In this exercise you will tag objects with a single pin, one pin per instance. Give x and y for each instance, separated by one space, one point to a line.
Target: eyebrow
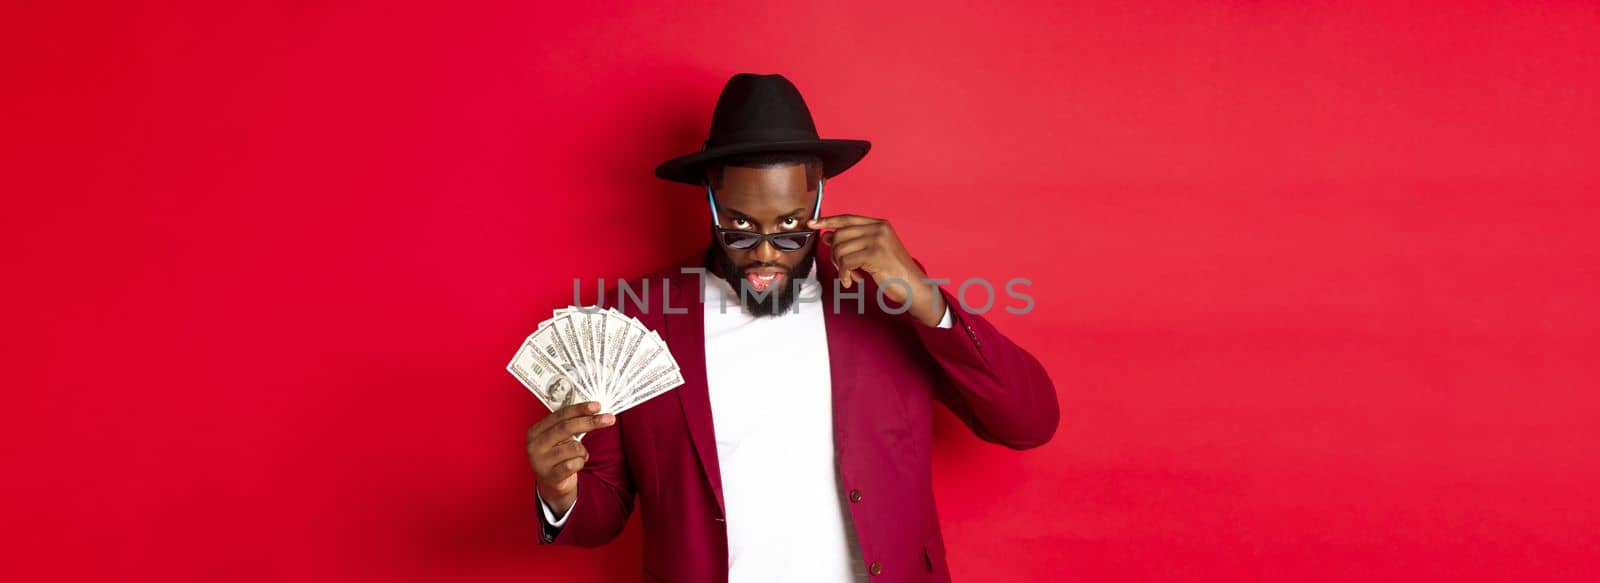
741 215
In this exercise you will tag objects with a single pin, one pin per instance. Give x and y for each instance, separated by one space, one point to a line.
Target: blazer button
875 569
855 495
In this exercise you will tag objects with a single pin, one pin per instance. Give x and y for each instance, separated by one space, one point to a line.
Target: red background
1316 283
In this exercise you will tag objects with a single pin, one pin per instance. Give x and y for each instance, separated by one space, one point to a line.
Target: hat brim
837 156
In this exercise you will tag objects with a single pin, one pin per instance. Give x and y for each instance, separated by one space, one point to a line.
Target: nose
767 252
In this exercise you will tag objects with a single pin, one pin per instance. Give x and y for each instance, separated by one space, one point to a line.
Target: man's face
765 200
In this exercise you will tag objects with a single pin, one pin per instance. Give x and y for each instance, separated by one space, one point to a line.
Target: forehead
766 191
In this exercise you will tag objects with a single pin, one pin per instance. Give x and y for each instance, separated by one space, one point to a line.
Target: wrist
928 306
559 503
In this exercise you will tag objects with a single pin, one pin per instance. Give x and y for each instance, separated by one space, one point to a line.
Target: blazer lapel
687 340
844 356
685 336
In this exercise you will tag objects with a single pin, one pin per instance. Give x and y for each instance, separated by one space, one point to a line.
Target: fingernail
607 419
592 406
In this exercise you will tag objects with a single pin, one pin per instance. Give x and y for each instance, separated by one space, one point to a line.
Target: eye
791 223
741 224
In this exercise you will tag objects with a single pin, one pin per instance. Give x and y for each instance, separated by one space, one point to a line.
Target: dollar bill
592 354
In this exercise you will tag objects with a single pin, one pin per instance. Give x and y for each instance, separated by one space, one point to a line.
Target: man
798 447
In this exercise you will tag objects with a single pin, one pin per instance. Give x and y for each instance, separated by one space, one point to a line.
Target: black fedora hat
759 114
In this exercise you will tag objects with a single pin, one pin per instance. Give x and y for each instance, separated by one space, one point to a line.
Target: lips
760 279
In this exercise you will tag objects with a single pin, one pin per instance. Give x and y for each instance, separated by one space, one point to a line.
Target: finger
859 259
841 236
560 415
845 277
848 247
567 429
561 470
837 221
850 262
564 450
571 411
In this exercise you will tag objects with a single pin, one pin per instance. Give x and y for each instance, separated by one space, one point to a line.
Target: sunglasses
741 240
786 242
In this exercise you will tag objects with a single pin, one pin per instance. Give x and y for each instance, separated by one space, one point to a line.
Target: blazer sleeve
605 494
993 385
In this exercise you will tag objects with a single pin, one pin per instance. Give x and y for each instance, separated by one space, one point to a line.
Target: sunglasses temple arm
715 222
816 213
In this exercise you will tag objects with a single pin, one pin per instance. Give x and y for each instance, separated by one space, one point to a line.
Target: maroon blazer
887 372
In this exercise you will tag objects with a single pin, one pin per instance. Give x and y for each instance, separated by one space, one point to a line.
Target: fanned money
590 354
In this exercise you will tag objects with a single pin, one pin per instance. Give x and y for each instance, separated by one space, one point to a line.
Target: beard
760 304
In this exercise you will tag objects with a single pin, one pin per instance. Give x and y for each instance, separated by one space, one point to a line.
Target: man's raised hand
871 245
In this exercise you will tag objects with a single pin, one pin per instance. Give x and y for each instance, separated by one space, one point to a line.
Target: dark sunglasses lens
791 241
739 240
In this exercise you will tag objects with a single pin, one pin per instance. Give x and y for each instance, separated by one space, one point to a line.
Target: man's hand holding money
557 456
